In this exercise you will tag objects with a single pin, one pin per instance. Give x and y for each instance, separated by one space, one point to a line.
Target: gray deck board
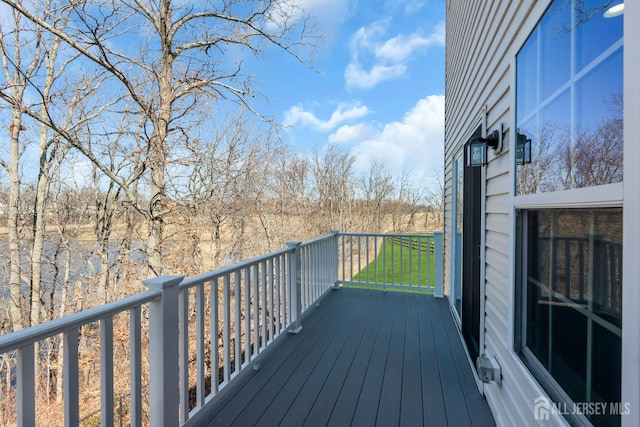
411 402
432 403
363 358
391 393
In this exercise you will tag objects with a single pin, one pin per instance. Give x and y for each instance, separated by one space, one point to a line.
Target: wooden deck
364 358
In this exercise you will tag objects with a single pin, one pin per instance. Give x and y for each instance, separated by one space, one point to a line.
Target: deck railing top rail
12 341
210 275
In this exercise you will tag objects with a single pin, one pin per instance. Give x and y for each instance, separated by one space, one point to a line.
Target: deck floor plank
432 396
411 403
363 358
391 393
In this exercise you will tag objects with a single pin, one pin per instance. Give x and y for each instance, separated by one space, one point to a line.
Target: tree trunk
18 320
63 307
42 191
158 198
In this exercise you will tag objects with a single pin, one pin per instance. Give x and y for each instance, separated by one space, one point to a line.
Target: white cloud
401 47
325 12
365 39
297 115
416 142
355 76
409 7
351 133
389 57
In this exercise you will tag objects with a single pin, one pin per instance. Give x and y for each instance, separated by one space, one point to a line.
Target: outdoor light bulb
476 155
614 11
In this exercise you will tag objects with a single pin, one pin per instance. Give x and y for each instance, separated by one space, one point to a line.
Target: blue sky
377 87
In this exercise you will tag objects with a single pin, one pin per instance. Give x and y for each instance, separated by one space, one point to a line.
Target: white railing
319 268
400 261
24 343
241 310
206 331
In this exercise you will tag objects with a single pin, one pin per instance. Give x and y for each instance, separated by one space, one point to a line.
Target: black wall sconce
523 149
477 147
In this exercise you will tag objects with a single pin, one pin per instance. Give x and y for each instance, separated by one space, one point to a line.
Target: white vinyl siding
483 39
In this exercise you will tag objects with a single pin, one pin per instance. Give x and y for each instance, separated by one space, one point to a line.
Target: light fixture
477 152
614 11
477 148
523 149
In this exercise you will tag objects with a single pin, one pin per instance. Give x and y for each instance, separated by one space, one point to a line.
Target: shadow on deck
364 358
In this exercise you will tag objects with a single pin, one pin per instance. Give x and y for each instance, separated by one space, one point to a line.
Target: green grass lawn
397 265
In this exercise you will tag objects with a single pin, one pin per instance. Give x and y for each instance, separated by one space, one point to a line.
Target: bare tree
435 200
44 74
335 189
17 73
410 198
599 150
51 151
291 196
220 183
584 11
378 188
179 61
292 185
261 170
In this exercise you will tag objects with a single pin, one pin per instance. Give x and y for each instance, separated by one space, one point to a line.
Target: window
572 302
569 99
569 265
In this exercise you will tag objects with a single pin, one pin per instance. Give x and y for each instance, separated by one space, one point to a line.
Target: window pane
598 128
594 32
598 95
555 49
554 138
550 134
527 75
574 300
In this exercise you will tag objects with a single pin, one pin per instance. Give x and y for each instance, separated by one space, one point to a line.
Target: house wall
483 38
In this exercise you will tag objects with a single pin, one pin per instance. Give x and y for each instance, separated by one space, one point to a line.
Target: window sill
610 195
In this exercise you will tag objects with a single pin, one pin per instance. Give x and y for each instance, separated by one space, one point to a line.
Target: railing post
26 397
295 302
335 258
164 394
438 264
